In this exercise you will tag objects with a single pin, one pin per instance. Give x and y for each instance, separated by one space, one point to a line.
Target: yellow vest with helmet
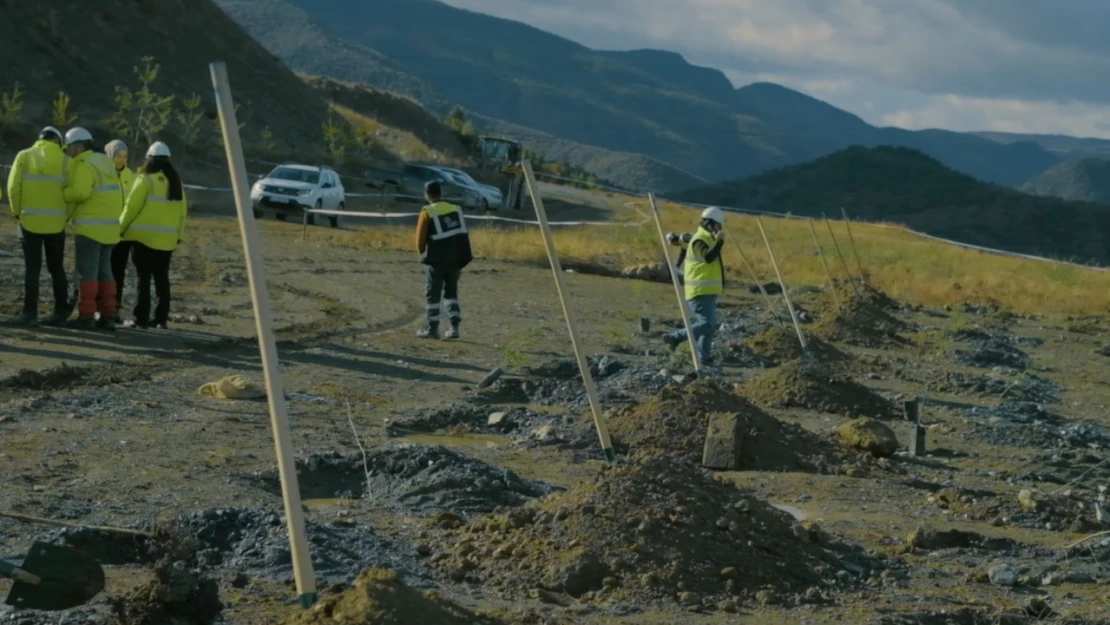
94 191
702 277
35 187
150 217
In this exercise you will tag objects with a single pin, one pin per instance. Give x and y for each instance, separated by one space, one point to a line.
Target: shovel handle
7 569
24 518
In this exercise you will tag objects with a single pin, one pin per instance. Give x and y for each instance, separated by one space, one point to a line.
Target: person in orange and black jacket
444 246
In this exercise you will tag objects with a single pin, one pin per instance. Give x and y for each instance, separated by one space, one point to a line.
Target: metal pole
785 294
852 240
556 268
758 283
828 274
263 316
678 291
843 263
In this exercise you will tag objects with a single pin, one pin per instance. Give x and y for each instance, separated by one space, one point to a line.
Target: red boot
86 305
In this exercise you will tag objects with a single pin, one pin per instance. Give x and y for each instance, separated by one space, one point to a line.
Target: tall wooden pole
572 328
828 274
303 574
785 292
678 289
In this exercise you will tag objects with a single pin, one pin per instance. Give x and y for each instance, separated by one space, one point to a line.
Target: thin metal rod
840 255
785 293
828 274
303 574
852 240
678 290
556 268
775 312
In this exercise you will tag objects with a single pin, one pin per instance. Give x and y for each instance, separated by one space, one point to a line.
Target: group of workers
117 215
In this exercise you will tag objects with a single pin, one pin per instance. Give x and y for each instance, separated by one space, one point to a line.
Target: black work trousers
33 247
441 283
152 264
121 253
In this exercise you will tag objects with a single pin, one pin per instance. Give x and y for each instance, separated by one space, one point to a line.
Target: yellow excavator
502 155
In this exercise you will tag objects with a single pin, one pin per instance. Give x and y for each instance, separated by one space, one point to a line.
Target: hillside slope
1084 180
1061 146
46 55
904 186
645 101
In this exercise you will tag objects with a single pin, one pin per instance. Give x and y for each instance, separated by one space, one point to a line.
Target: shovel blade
69 578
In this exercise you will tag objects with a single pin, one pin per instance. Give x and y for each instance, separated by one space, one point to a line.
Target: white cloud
962 113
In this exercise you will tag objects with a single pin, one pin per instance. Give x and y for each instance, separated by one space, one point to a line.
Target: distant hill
1061 146
647 102
86 51
1085 180
902 185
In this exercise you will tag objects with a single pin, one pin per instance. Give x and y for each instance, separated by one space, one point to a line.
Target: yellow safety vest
126 181
35 188
93 190
150 217
702 277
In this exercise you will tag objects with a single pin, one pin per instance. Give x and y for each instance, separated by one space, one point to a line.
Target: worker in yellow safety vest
35 194
95 197
153 222
121 253
704 283
444 246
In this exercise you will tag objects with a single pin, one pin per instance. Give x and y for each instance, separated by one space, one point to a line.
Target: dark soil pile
816 386
617 384
993 351
968 616
254 541
862 319
653 527
176 596
676 422
928 539
1027 387
1030 425
1038 511
780 344
381 597
414 478
518 423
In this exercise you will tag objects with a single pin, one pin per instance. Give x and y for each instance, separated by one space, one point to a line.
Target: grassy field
903 264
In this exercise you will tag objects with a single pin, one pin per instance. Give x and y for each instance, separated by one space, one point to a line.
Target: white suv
292 188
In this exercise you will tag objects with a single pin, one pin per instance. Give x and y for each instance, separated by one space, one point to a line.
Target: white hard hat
76 134
714 214
50 130
158 149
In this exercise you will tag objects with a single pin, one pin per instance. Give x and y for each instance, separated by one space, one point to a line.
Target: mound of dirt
1029 424
862 319
1027 387
381 597
415 478
991 352
816 386
519 423
176 596
676 422
653 527
928 539
1033 510
560 384
779 345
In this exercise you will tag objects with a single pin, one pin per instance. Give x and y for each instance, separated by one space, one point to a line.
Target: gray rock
1003 575
498 418
723 439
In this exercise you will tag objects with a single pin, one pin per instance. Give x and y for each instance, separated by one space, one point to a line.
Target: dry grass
905 265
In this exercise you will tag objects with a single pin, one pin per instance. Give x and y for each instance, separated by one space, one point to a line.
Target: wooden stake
678 289
26 518
304 223
557 269
852 240
840 255
785 294
828 274
263 316
758 283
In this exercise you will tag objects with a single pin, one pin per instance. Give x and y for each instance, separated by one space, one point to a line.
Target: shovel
53 578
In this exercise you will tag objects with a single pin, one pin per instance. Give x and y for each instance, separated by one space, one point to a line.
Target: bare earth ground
125 439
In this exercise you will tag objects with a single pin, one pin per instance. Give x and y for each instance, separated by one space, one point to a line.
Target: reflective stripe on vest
49 212
437 212
58 179
168 229
106 187
85 221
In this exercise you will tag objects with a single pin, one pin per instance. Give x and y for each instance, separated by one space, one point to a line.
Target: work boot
453 333
83 323
429 332
56 319
25 320
106 323
671 341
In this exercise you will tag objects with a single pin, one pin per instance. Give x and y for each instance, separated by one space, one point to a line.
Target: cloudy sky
1015 65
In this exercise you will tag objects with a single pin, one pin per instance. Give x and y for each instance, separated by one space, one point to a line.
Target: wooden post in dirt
263 316
678 289
572 328
785 293
852 241
840 255
758 283
304 223
828 274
